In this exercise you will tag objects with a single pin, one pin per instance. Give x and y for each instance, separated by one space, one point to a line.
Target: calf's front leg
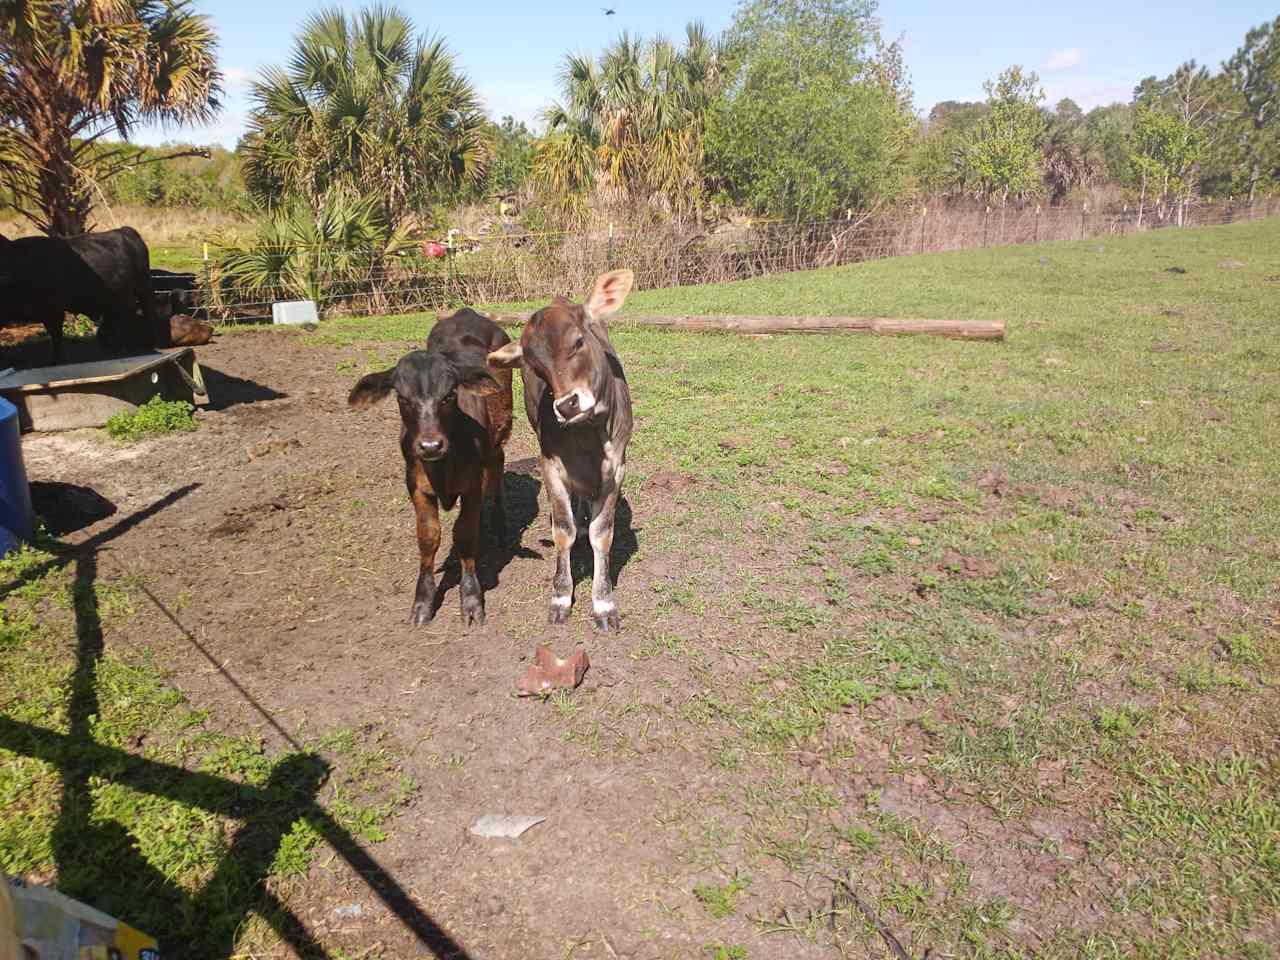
466 539
427 508
493 481
563 532
604 612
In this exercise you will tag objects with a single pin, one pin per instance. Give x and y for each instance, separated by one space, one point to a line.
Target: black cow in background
174 293
105 276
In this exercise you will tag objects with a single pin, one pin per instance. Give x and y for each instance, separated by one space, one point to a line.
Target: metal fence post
208 285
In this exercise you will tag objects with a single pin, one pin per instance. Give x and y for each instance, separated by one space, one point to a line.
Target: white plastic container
294 312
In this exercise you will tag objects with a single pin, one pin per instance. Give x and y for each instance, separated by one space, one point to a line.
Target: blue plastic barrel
16 515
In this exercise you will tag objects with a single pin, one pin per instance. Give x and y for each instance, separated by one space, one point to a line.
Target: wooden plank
958 329
96 371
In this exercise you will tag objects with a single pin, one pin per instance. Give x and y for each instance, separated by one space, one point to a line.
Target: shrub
156 416
298 253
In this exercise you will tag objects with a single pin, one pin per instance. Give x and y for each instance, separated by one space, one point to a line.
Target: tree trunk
63 198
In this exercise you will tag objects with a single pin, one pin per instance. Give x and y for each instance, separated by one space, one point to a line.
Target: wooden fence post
1035 236
1084 210
675 266
985 218
924 212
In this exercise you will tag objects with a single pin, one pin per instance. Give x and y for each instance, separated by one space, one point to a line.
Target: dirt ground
280 539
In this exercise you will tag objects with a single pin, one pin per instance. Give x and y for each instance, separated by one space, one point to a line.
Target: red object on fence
433 249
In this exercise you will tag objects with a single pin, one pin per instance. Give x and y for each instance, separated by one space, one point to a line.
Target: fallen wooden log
185 331
884 326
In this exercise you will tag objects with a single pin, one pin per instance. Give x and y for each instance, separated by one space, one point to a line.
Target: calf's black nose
430 448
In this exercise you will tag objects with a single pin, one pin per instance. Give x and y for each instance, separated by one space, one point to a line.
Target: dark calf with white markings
580 407
455 416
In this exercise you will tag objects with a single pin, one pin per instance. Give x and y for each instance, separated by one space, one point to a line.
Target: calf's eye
577 344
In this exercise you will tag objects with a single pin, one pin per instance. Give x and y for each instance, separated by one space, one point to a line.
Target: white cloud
1063 59
236 77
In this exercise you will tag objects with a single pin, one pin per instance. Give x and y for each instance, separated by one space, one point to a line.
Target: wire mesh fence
522 267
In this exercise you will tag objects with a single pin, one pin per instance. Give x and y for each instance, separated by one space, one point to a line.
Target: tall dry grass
159 226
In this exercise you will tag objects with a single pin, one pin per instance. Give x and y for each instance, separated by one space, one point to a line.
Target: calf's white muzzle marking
580 404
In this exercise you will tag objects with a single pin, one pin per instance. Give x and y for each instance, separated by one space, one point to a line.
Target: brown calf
580 407
455 416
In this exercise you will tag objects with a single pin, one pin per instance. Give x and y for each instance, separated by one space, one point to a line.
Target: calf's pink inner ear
608 294
507 356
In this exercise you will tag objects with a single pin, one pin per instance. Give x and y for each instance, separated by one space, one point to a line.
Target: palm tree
75 71
630 125
1070 157
365 107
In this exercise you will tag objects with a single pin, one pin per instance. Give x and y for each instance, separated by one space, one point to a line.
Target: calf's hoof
422 613
473 611
558 612
606 619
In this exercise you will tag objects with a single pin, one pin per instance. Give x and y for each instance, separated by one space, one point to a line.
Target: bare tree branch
141 160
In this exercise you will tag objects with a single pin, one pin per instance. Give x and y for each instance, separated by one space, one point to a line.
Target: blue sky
1092 51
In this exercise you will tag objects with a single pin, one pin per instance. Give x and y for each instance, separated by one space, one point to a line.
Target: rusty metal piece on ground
548 672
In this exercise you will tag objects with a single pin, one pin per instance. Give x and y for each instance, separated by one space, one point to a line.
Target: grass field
983 639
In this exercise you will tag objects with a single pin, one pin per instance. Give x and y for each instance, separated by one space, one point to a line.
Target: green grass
1072 648
988 628
118 792
722 901
154 418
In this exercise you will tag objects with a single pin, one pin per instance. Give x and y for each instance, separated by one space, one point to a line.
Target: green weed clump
153 418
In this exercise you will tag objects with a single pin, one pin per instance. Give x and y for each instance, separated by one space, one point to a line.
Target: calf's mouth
575 406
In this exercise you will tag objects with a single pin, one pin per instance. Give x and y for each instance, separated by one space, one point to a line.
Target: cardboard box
50 926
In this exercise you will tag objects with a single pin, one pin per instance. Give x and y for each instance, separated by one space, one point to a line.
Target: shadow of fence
86 847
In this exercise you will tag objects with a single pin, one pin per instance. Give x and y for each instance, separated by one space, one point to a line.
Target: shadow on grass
99 861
